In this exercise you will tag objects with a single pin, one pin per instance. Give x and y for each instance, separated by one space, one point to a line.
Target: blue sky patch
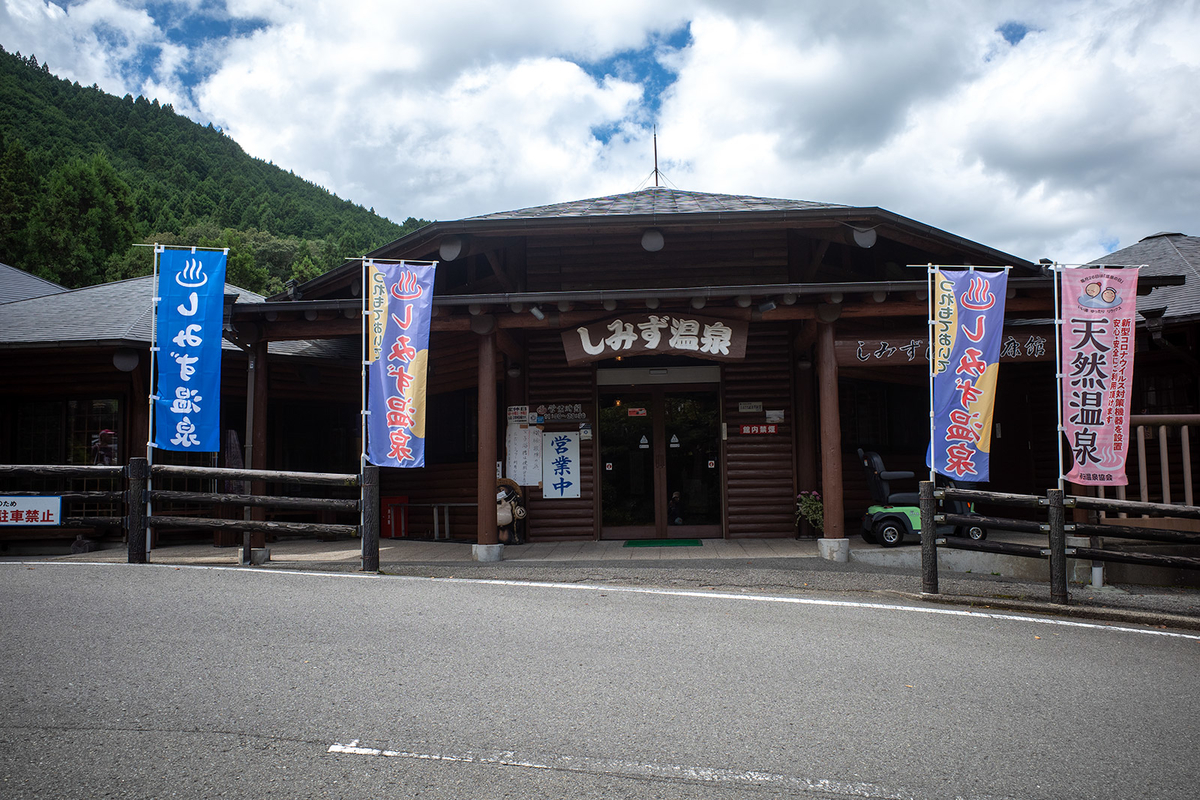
210 23
641 66
1013 32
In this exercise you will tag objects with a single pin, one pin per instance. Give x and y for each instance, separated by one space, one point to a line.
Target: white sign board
560 465
30 511
523 449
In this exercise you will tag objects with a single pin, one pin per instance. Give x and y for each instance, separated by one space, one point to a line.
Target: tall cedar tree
84 175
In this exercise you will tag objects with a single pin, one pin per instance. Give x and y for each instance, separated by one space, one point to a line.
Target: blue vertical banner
187 403
966 330
399 301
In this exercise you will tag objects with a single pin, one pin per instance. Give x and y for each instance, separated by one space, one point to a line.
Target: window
883 416
69 432
451 431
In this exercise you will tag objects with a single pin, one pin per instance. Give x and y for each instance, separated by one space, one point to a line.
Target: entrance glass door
659 463
693 477
627 466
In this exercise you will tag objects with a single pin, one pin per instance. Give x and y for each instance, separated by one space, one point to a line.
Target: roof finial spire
655 129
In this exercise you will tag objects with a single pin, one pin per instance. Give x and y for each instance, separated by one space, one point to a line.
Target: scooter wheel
889 533
974 532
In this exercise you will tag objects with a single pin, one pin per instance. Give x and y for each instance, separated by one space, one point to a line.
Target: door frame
658 383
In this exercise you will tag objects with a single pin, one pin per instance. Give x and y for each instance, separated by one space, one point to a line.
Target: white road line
758 598
632 769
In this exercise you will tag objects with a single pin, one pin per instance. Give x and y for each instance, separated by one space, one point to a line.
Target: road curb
1152 619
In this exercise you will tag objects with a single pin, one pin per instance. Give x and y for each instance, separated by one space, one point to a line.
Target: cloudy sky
1056 129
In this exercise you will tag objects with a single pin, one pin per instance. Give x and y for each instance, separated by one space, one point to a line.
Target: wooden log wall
615 261
759 469
453 366
551 381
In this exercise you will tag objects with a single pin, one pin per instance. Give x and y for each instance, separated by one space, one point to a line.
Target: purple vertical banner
399 304
968 320
187 403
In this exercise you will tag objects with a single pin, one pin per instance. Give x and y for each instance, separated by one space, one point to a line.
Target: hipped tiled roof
17 284
1165 254
114 313
658 200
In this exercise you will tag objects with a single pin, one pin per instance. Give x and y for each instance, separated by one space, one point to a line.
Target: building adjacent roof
1166 254
658 200
17 284
117 313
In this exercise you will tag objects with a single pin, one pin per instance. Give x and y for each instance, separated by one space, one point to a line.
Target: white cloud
1080 134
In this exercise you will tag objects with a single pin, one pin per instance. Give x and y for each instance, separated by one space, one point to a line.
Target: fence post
1058 547
135 509
929 568
370 517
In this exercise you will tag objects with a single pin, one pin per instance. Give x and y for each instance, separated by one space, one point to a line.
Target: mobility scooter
895 515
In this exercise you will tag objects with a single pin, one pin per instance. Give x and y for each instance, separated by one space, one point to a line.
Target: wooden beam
494 261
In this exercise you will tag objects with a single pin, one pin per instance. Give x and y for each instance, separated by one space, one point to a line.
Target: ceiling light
652 240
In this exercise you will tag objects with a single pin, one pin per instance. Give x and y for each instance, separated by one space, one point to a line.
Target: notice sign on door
760 429
560 465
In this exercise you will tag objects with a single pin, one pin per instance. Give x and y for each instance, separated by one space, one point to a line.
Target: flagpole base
834 549
487 552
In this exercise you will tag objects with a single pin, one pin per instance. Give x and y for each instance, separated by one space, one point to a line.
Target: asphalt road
126 681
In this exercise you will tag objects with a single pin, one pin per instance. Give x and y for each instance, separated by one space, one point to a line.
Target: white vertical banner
560 465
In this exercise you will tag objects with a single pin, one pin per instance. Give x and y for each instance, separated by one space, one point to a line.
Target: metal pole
1058 548
364 351
930 283
929 567
136 474
1056 272
370 516
153 398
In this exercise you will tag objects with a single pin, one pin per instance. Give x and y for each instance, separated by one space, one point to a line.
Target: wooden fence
1056 527
138 499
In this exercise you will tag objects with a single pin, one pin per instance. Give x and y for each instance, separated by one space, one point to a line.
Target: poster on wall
966 328
399 298
1098 308
187 403
560 465
523 453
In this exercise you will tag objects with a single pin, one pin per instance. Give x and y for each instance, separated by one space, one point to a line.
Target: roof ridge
1184 258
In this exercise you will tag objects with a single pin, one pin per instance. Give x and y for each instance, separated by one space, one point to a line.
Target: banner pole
930 283
1058 368
158 249
364 351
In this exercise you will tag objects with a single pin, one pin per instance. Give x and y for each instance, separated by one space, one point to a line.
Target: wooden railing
1173 473
138 499
1056 527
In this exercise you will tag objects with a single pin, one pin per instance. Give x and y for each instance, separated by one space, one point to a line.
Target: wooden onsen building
717 354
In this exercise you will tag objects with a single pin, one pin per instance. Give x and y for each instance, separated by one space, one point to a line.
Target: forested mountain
84 175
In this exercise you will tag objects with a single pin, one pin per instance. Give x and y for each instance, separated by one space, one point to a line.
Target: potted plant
810 509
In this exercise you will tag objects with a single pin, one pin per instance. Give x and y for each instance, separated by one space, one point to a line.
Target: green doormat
663 543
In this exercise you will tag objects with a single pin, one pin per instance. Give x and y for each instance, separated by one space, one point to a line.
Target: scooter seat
904 499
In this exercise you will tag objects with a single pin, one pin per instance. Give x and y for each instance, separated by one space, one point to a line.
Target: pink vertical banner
1098 307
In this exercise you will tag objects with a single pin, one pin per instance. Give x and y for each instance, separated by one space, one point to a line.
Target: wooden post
831 434
486 477
135 509
1058 548
256 437
370 512
929 566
